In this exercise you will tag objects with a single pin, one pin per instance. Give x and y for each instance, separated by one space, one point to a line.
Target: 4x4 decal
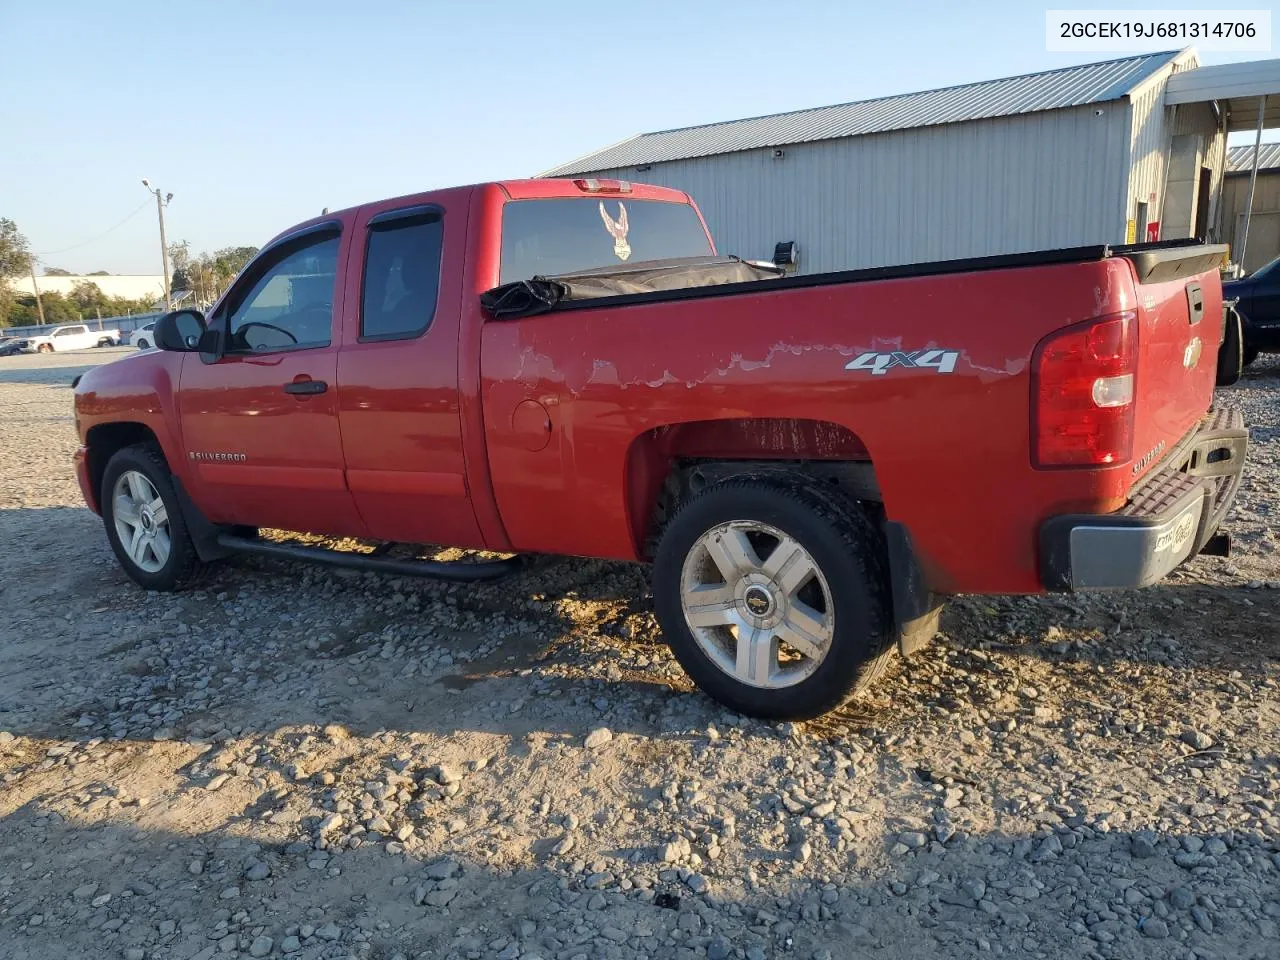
943 361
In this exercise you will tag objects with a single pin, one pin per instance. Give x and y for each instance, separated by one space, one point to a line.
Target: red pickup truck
567 366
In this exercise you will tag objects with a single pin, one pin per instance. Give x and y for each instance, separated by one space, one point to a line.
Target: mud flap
1231 349
204 534
916 611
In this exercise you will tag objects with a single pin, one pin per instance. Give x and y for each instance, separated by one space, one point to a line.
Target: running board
457 572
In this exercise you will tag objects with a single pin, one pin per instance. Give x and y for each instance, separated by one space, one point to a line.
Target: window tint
401 277
291 304
552 237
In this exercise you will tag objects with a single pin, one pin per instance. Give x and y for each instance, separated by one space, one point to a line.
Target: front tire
773 595
144 520
45 348
143 345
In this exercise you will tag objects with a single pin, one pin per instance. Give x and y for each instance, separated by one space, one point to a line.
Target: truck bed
718 277
631 386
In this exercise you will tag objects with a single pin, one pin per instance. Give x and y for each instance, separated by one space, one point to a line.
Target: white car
72 336
142 338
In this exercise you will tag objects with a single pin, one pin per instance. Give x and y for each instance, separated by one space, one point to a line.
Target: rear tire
1250 355
812 572
131 476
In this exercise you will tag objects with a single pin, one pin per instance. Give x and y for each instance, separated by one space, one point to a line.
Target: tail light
592 185
1082 389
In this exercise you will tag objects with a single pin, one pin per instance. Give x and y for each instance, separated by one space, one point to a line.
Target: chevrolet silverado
810 462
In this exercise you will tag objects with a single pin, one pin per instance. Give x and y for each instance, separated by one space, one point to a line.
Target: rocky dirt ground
298 762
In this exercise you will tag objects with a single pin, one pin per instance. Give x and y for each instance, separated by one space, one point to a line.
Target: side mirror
209 345
179 331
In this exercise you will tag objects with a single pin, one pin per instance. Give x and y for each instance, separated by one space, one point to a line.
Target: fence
125 324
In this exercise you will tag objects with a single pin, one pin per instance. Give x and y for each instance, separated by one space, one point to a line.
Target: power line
77 246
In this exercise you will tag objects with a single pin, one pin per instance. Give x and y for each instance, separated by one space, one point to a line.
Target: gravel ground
307 763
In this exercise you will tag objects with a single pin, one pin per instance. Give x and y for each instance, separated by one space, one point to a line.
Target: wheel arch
667 464
103 440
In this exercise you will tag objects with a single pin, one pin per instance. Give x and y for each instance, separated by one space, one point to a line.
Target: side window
401 275
290 303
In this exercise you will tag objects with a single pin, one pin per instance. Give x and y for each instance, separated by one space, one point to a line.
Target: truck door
398 401
260 425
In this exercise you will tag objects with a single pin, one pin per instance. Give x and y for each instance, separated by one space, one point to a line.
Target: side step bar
457 572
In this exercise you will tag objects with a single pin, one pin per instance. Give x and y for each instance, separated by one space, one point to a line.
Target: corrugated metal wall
1150 149
1235 196
1153 126
1199 118
1031 182
1264 237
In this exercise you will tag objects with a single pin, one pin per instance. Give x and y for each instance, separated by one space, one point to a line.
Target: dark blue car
1259 308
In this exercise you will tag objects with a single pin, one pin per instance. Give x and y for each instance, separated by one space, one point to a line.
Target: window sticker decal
618 230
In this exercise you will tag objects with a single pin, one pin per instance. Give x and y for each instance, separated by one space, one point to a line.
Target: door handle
306 387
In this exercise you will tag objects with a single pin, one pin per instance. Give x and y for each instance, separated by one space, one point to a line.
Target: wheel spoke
138 487
806 630
126 511
138 546
757 654
160 546
789 566
158 511
732 553
710 605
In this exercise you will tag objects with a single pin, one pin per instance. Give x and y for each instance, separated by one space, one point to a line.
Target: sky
256 115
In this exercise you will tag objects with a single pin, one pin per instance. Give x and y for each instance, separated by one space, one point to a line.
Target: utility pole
35 287
162 201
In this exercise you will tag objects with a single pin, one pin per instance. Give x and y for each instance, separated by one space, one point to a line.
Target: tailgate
1179 294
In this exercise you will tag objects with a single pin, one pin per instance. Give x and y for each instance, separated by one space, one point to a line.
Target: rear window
551 237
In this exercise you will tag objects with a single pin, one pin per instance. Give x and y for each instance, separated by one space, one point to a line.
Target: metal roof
1050 90
1240 159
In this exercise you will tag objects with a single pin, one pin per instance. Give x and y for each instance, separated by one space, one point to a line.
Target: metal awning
1239 87
1249 94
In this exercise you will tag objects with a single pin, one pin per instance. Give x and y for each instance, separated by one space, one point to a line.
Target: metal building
1264 229
1081 155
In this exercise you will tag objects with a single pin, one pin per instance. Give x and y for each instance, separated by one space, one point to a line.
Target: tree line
205 275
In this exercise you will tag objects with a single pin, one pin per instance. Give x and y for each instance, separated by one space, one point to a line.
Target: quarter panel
951 450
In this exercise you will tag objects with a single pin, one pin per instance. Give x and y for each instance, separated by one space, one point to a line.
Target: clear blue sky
257 114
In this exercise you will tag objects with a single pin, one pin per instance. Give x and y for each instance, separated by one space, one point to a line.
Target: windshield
1266 268
552 237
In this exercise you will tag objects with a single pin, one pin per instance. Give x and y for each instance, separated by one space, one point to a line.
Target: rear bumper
1169 517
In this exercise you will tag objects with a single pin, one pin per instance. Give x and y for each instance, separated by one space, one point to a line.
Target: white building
1100 153
130 287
